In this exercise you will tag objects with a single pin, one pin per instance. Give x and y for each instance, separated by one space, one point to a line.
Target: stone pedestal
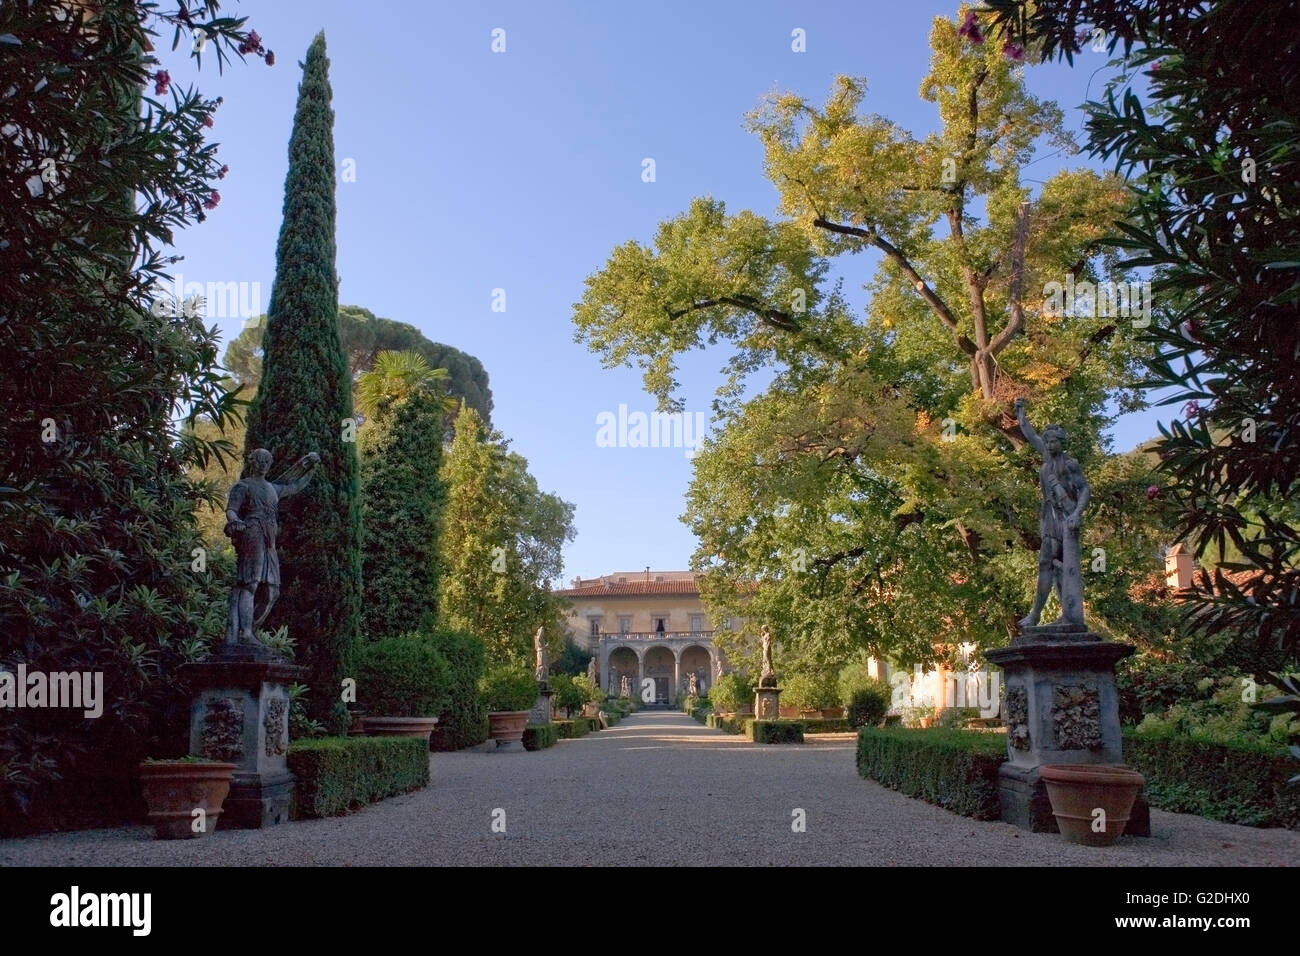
1061 707
767 702
240 714
541 712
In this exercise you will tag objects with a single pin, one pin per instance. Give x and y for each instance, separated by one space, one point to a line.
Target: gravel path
659 789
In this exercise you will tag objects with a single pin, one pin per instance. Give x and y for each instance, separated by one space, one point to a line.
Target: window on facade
697 623
660 625
625 625
595 626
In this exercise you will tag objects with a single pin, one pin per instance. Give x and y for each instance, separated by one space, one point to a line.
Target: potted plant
175 789
1078 791
402 684
509 693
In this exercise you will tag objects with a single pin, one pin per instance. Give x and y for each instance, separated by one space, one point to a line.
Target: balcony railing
656 636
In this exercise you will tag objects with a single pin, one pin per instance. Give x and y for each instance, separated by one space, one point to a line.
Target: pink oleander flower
1153 492
161 80
1013 50
207 120
970 28
270 58
1191 408
221 173
211 201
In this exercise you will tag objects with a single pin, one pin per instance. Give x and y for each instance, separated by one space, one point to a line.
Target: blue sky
521 171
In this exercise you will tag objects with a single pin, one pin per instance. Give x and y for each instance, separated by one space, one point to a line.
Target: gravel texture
659 789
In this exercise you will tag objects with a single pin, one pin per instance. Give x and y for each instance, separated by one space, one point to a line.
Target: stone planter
506 727
174 789
832 713
591 710
399 726
1077 791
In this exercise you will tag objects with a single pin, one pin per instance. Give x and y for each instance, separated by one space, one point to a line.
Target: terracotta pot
1077 790
507 724
399 726
174 789
788 712
832 713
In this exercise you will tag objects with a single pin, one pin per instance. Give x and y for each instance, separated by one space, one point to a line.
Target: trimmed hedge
540 736
593 723
337 775
464 723
954 769
732 725
570 729
774 731
827 725
701 712
1236 783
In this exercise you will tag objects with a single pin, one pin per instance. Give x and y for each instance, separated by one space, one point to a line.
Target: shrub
1223 717
509 688
336 775
463 721
731 691
591 694
567 694
404 676
775 731
954 718
827 725
810 691
867 706
1244 783
954 769
540 736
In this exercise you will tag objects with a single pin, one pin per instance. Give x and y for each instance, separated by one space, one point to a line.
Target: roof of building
634 583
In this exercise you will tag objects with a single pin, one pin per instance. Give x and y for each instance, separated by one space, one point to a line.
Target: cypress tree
302 403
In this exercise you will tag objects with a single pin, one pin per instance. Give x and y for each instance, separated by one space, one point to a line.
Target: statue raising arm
307 464
1031 436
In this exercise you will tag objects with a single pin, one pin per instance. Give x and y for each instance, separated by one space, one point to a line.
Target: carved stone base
767 703
256 802
240 713
541 712
1061 707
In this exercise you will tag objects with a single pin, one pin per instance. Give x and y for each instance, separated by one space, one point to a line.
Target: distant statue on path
767 675
591 669
1065 495
252 515
539 649
693 688
624 689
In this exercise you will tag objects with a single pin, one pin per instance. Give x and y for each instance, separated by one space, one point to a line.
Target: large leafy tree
401 445
878 489
304 404
501 544
1211 148
101 161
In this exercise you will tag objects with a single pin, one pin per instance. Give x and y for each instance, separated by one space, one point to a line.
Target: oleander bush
337 775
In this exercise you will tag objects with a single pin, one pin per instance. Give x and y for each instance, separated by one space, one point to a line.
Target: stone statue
624 688
252 510
539 648
591 669
1065 495
767 676
693 687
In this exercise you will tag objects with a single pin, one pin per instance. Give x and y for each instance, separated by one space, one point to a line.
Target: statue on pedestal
624 689
767 675
252 513
693 686
539 649
591 669
1065 495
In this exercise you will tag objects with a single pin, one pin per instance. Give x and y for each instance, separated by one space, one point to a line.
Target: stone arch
623 661
660 665
696 659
